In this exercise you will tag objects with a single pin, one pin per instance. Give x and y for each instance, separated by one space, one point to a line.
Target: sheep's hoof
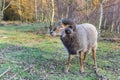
82 71
66 71
95 68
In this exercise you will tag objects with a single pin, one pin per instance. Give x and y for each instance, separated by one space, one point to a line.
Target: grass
34 56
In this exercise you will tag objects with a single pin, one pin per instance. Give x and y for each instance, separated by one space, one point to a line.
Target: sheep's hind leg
81 62
94 57
84 59
68 63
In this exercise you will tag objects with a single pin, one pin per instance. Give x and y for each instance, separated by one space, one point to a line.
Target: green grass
21 48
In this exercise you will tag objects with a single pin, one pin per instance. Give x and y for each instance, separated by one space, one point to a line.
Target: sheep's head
64 25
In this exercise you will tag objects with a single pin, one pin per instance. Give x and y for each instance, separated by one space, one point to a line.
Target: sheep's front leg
94 57
68 63
81 62
84 59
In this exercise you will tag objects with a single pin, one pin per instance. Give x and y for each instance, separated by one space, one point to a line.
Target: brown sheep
77 39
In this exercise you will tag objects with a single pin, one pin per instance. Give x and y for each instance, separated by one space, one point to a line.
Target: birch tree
101 16
87 10
20 11
36 16
53 11
4 6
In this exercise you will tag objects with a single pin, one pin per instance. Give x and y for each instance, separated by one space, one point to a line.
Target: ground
27 55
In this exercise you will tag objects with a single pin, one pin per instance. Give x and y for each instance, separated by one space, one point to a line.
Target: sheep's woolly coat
81 40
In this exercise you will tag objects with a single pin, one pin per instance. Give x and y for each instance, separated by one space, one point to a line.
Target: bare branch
5 72
20 72
7 5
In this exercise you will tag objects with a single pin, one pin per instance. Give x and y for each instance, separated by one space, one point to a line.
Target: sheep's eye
70 27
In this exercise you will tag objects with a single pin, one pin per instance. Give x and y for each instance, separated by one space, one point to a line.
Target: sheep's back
87 35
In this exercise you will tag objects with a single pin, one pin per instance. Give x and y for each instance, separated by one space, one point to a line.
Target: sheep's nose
51 33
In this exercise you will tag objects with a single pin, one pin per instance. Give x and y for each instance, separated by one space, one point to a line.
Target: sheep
77 39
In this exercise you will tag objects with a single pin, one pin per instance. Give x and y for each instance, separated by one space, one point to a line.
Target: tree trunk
105 23
4 7
117 26
118 29
87 19
67 12
111 30
101 17
36 16
53 12
20 10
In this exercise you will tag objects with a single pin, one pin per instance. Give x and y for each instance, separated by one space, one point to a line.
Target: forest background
104 14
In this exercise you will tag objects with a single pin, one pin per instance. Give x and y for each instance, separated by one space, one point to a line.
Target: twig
13 76
100 76
20 72
3 60
5 72
7 5
27 68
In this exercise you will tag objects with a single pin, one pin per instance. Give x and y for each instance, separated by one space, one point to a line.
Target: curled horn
69 22
66 21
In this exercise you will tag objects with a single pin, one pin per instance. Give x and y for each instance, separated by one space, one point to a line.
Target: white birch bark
20 9
36 15
53 11
4 7
101 17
